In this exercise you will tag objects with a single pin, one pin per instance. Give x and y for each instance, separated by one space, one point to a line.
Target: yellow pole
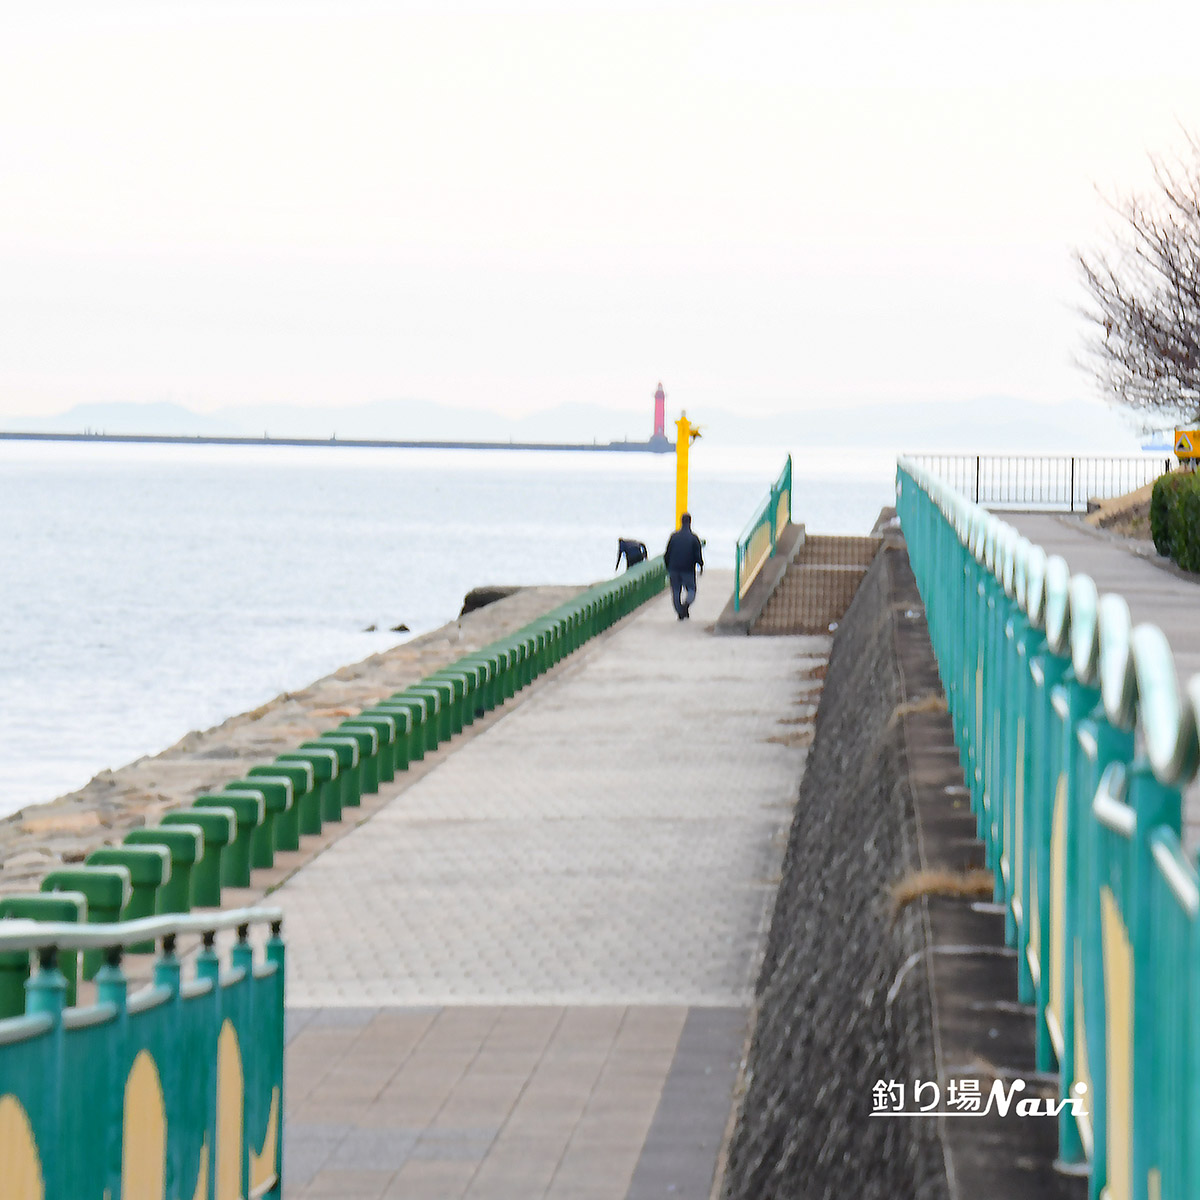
685 431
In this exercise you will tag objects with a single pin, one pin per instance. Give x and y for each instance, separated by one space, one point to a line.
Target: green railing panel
1077 744
174 1091
757 541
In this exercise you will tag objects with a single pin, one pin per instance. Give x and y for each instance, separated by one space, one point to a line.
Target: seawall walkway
529 973
1155 593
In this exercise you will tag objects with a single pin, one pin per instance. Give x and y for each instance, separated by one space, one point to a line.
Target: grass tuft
962 884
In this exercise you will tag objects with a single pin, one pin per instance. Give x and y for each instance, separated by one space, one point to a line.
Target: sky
509 206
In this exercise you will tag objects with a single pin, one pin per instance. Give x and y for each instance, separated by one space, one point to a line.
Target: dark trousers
685 582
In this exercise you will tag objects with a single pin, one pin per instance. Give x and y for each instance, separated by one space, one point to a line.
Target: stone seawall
42 837
838 1009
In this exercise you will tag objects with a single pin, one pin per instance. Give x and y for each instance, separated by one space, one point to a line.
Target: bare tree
1144 347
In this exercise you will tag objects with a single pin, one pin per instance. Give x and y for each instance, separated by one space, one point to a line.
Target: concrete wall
826 1031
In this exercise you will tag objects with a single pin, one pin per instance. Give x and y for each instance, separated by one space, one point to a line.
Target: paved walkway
1155 594
529 974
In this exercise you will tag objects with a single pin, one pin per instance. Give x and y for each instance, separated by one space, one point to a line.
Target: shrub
1160 525
1164 505
1185 523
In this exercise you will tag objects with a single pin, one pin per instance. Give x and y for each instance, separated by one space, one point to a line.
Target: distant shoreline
654 446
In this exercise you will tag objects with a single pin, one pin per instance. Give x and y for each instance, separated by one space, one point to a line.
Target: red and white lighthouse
660 413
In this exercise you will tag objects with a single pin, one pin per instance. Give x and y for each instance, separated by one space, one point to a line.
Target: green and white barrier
173 1091
1077 744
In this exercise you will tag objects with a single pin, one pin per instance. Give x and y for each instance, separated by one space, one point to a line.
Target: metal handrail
1133 667
1051 481
767 517
19 933
1077 743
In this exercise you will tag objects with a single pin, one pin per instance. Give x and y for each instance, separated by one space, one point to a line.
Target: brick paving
529 972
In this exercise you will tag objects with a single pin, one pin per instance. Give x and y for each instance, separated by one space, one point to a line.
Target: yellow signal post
685 434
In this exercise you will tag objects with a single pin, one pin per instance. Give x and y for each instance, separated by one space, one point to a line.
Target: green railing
121 1094
757 541
1077 748
173 1091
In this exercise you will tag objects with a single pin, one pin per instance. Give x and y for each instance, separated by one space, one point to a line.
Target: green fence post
402 718
368 741
387 736
46 996
172 1070
107 890
186 846
276 953
277 799
304 781
218 827
112 987
1157 807
418 707
149 869
325 797
60 906
208 970
345 783
248 811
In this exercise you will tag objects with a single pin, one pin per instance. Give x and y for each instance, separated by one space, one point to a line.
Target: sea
150 590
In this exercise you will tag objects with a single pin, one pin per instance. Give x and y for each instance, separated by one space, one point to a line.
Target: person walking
682 556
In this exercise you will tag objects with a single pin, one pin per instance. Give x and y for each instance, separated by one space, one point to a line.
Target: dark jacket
683 551
632 552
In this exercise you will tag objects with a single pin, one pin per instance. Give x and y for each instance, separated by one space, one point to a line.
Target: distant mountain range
980 425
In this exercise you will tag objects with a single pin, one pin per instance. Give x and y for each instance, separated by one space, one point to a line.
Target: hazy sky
511 205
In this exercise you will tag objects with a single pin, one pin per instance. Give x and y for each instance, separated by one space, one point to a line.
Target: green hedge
1175 518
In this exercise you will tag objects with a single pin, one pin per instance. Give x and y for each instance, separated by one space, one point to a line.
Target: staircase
818 586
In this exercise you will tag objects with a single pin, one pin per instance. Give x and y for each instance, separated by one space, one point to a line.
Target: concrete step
814 594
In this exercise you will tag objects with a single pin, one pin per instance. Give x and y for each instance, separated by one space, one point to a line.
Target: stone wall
827 1027
42 837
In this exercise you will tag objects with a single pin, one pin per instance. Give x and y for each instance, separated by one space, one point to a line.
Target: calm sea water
149 590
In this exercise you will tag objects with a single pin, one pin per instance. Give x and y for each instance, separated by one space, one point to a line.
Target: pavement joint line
462 1074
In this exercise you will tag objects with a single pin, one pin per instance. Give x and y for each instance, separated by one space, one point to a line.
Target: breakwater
43 837
653 446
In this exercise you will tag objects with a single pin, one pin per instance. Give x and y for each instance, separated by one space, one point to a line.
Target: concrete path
1155 593
529 974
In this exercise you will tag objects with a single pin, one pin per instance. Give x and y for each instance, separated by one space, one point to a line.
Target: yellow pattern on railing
1083 1073
20 1166
144 1148
1033 954
202 1174
262 1164
230 1092
1056 1007
757 553
1118 1004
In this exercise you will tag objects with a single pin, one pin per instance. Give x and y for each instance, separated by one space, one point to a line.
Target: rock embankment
831 1021
40 838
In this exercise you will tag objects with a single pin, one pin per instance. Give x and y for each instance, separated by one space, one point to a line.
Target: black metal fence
1043 481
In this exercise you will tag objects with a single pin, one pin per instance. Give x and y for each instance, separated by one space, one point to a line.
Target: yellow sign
1187 443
